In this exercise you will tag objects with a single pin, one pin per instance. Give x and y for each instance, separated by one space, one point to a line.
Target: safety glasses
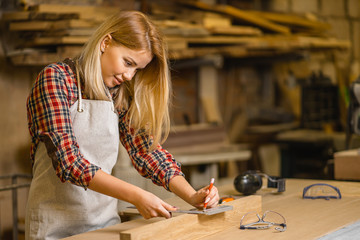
268 219
321 190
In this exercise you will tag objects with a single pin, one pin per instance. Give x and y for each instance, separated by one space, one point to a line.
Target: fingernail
207 200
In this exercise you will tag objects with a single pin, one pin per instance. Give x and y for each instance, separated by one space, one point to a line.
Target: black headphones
250 181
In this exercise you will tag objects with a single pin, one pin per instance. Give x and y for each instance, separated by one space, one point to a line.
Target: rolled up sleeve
49 121
158 165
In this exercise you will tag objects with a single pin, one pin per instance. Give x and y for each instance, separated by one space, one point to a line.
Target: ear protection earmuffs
250 181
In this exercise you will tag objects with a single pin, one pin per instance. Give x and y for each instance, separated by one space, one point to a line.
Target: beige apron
57 210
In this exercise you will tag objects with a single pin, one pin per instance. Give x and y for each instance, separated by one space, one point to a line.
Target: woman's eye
128 63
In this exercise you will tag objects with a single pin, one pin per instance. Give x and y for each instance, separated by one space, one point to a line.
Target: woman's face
119 63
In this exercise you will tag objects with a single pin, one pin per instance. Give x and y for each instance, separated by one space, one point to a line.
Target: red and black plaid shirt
48 104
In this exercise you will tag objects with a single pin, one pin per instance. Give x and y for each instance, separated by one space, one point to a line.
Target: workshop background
267 77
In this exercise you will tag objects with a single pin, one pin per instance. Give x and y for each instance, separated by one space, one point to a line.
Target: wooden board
31 15
292 20
51 25
235 30
79 40
347 165
189 226
31 26
241 15
85 12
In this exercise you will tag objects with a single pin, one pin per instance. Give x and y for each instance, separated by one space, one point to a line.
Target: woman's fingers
212 198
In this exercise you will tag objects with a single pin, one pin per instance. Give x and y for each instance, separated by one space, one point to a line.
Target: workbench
305 218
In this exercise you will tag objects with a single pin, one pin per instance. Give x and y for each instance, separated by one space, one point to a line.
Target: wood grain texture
188 226
306 218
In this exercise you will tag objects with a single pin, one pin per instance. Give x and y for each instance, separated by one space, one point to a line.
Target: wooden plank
31 26
63 8
71 32
173 27
85 12
41 41
75 23
31 15
235 30
241 15
15 16
189 226
214 39
215 20
270 41
315 42
113 232
51 25
347 164
292 20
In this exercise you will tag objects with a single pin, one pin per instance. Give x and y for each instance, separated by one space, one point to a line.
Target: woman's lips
117 81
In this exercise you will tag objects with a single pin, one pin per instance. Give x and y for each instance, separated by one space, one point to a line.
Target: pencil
210 187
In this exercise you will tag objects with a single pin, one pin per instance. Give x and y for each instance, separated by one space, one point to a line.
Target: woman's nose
128 75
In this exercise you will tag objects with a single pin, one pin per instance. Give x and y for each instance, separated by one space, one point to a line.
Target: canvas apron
56 210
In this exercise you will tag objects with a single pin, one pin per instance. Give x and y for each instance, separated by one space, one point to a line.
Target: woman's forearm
109 185
147 203
183 189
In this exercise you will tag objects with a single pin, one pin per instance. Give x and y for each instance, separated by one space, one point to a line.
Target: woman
78 110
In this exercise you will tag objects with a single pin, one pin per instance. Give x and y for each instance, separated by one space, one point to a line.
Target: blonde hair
147 96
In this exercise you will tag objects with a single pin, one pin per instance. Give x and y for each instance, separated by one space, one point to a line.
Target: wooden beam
78 40
193 226
241 15
31 26
292 20
85 12
31 15
235 30
51 25
15 16
254 19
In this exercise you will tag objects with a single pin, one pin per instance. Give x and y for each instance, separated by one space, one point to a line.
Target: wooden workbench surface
306 218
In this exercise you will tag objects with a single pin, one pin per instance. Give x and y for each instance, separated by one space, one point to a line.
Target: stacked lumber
234 32
47 32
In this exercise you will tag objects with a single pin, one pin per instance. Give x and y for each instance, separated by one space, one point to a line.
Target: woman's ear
105 43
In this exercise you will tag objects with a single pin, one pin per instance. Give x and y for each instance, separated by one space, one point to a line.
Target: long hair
147 96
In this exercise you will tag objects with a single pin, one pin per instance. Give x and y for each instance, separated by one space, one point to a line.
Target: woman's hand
204 195
151 206
183 189
147 203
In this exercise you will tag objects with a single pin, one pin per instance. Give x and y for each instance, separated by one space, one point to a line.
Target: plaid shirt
48 104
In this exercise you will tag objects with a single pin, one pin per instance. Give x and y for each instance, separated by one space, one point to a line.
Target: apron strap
79 108
73 65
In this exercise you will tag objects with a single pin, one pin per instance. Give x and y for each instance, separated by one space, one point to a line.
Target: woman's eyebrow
132 60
